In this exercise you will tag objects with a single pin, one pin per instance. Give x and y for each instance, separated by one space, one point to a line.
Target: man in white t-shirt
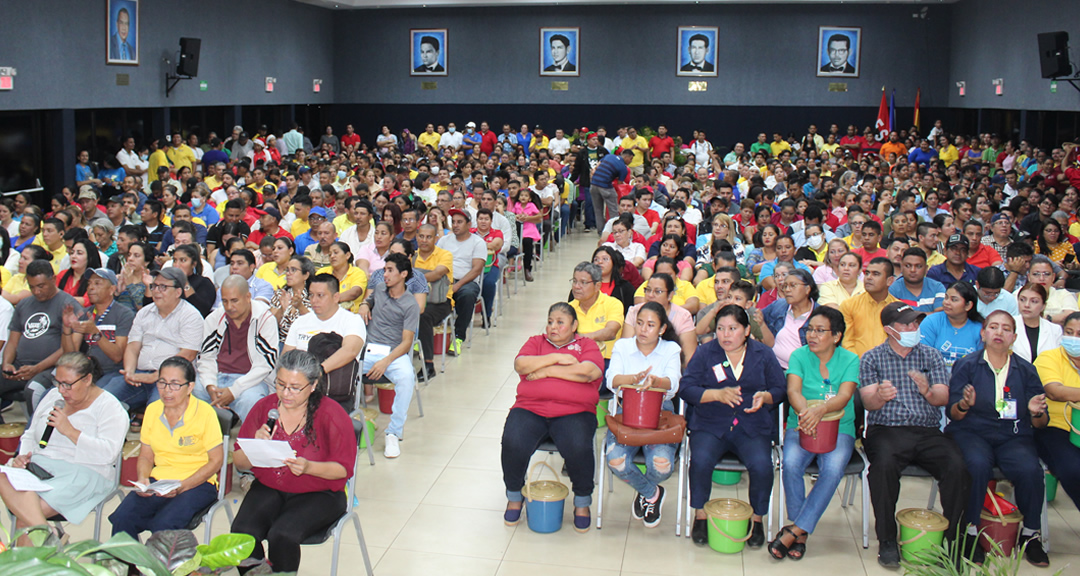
470 253
129 158
701 150
451 138
559 144
327 316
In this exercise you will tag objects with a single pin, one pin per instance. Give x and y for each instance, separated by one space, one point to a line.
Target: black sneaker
700 533
1034 552
637 508
652 510
431 372
757 535
888 554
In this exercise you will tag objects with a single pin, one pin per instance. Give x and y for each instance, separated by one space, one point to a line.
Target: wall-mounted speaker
189 57
1054 54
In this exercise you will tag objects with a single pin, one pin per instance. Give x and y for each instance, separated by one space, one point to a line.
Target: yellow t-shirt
342 223
426 139
605 309
353 278
706 291
832 292
438 257
538 143
157 159
1055 366
639 153
683 292
299 227
180 157
180 452
778 147
212 182
16 283
867 332
269 273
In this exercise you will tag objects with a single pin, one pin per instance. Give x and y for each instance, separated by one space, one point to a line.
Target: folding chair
99 510
384 380
336 529
639 458
206 516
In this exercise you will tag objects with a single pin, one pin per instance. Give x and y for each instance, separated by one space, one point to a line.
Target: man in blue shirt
955 267
315 217
916 290
923 154
472 139
214 155
611 169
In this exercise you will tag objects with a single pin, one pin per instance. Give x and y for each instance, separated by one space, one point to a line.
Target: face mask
144 157
1071 344
910 339
195 202
918 199
816 241
341 175
452 129
470 130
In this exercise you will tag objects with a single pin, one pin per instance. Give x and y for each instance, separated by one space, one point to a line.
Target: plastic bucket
641 407
1051 487
601 411
440 342
1074 422
544 502
9 440
824 439
129 468
368 415
920 529
1001 528
386 397
729 524
726 478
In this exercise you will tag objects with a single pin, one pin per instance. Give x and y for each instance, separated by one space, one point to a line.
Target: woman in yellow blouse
274 272
353 281
1052 243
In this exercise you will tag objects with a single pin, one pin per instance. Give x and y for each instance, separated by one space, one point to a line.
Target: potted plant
940 560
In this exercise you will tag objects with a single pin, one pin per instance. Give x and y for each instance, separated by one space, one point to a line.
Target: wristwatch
95 337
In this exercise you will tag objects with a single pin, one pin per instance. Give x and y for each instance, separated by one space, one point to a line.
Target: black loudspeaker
189 57
1054 54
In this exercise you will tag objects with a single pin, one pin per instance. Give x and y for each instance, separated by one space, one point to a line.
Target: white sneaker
392 449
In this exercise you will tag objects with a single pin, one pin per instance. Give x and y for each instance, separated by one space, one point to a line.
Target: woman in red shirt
556 399
84 259
288 504
494 240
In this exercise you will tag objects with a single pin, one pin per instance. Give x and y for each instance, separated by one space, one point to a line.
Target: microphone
49 429
272 418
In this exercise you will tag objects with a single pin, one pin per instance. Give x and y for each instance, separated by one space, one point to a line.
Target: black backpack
340 384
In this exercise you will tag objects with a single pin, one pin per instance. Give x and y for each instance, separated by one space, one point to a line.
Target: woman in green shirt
821 370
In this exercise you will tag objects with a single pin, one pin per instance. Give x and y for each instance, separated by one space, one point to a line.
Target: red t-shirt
257 235
554 397
488 142
984 256
660 145
351 140
868 256
650 216
491 235
335 441
858 140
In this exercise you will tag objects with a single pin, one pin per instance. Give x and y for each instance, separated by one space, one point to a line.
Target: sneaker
888 554
455 347
652 509
392 449
430 370
637 508
7 405
1033 551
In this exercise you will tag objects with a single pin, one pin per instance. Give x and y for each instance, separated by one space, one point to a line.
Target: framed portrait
697 51
839 49
428 49
559 52
122 32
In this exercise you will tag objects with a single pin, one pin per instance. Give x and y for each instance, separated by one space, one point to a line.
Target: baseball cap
106 274
957 240
174 275
87 191
272 212
900 313
455 212
318 211
471 125
584 130
304 170
998 217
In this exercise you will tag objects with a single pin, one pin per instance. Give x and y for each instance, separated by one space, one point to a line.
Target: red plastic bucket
1001 528
386 398
9 440
129 467
641 407
824 439
440 343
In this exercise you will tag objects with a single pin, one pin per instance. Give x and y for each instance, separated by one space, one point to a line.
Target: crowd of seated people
898 273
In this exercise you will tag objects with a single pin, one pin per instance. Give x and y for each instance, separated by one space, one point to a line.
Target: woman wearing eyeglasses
181 441
786 320
88 433
288 504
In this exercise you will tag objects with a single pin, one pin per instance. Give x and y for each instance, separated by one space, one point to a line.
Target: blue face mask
452 129
908 339
1071 344
195 202
341 175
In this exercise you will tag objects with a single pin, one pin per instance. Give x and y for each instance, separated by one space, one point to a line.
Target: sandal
798 549
777 548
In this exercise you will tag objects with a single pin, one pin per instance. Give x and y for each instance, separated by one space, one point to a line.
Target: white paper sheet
23 480
161 487
266 453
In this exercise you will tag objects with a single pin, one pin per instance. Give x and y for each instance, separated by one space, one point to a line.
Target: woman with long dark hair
1054 244
956 329
613 283
84 259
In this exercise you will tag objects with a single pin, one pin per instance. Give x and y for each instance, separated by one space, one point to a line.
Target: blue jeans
400 372
802 509
134 397
572 434
240 405
137 514
464 304
564 219
1061 457
584 203
491 284
755 452
646 483
1017 458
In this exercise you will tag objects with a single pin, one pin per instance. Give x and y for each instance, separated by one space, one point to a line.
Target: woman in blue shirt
955 330
652 359
821 370
727 384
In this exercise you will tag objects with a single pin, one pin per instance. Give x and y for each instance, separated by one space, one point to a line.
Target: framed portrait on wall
697 51
559 53
839 49
122 31
428 49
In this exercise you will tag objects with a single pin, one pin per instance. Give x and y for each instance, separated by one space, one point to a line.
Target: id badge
718 370
1007 409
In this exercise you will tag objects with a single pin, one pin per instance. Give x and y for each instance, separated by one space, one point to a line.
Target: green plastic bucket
1051 487
601 411
920 529
641 467
726 478
1074 422
729 524
369 415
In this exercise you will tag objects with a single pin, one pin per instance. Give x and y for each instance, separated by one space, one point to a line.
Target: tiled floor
438 508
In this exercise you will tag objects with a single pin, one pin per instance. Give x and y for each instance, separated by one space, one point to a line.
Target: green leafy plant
939 560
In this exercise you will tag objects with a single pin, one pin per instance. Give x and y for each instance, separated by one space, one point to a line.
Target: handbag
670 430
